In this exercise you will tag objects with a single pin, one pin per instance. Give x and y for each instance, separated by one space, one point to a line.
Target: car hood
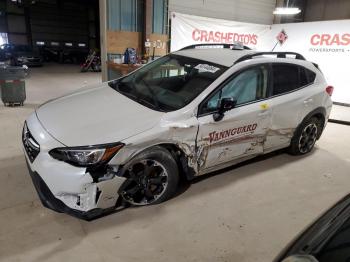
95 116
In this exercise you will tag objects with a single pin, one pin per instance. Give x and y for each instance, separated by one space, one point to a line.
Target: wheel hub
143 181
146 182
308 138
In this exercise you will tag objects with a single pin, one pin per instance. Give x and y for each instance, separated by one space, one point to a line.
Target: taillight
329 90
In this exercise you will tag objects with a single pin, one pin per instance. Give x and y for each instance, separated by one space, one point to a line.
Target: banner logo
282 37
223 37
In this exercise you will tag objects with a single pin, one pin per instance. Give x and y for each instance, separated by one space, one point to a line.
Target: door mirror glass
224 105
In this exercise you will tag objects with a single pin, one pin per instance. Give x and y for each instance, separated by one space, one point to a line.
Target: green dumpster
12 85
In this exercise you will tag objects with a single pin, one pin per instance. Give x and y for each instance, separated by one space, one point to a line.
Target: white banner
188 30
325 43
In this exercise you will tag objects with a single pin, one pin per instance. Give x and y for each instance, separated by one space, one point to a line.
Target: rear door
291 98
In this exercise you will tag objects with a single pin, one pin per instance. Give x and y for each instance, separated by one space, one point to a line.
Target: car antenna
274 46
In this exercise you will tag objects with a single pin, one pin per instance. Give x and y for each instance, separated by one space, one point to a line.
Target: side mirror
224 105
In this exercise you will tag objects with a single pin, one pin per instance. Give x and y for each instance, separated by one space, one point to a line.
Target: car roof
221 56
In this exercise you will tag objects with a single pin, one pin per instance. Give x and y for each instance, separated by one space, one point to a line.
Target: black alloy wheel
308 138
146 182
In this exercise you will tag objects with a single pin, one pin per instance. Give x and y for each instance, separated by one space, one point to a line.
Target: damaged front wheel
152 177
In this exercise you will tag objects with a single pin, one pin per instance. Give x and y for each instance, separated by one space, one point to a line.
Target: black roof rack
278 54
225 46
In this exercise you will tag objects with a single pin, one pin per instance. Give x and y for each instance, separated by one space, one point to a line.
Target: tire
305 137
152 178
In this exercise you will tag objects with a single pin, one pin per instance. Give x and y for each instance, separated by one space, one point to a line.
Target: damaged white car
191 112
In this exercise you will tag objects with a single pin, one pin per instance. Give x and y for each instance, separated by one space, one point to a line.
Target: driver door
242 131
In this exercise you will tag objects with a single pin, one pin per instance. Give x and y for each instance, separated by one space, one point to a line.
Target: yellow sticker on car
264 106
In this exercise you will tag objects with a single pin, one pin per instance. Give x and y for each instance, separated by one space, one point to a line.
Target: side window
288 77
306 76
310 76
303 77
247 86
285 78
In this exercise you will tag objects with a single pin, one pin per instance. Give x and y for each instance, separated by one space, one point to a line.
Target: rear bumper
50 201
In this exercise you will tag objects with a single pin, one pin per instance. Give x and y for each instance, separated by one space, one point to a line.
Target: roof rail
278 54
234 46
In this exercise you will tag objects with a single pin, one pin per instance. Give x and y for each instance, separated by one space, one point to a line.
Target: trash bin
12 85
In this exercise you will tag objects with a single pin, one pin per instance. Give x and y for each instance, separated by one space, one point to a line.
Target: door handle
265 113
308 101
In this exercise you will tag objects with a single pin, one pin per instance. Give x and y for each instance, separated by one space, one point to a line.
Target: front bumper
50 201
63 187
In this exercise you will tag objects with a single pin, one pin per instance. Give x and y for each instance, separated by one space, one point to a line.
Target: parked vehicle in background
21 55
326 240
189 113
50 54
72 56
60 53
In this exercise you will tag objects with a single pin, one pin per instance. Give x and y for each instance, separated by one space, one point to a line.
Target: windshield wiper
115 85
148 104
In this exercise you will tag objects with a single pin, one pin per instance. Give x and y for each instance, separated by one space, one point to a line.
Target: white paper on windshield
206 68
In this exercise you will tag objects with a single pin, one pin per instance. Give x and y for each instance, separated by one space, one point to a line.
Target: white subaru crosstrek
188 113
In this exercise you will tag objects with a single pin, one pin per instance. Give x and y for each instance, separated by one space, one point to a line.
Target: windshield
169 83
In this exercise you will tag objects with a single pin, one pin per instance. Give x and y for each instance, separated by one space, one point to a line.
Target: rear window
285 78
288 77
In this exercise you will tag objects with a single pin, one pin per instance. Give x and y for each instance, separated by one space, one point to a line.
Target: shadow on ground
30 226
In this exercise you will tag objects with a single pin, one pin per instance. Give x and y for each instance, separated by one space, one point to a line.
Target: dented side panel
240 134
181 134
209 145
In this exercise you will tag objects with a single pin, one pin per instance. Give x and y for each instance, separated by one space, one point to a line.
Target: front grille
31 147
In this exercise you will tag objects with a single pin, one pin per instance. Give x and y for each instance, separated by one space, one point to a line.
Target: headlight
86 156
